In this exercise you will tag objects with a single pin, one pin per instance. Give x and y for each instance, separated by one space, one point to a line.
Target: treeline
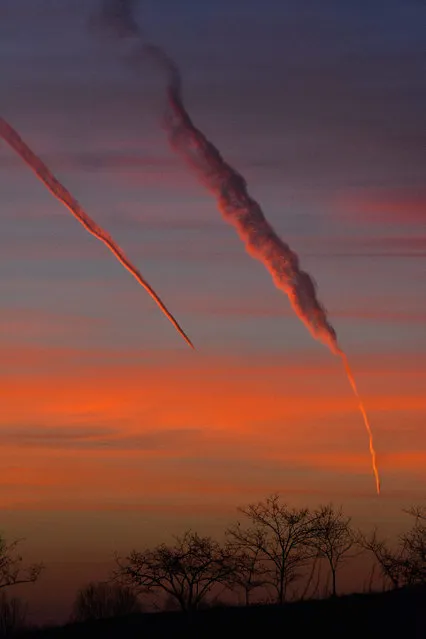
274 554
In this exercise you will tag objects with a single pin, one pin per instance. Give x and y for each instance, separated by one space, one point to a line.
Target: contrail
230 190
13 139
363 412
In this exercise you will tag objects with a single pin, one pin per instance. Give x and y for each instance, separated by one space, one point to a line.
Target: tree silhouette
186 571
388 559
248 573
12 571
334 538
104 600
13 614
404 564
414 547
279 538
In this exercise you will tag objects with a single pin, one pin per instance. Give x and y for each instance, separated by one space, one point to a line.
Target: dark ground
400 613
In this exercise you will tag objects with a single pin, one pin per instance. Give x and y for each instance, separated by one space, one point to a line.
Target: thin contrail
13 139
230 190
363 412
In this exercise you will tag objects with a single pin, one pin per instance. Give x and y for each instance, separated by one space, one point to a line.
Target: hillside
400 613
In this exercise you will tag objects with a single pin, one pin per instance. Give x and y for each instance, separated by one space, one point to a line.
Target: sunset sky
113 433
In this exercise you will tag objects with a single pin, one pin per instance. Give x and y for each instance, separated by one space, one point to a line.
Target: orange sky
71 416
105 450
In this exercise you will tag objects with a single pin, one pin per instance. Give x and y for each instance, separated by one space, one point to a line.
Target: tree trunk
333 577
281 591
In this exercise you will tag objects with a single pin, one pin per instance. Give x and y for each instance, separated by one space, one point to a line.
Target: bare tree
334 539
248 573
12 571
414 547
388 559
186 571
405 563
13 614
104 600
279 537
312 581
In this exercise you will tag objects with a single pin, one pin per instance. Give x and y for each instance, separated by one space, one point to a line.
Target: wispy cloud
88 438
140 393
367 310
404 205
371 245
30 323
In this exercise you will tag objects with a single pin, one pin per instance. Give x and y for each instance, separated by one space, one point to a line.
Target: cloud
112 166
367 310
158 432
405 206
141 391
93 161
88 438
346 246
37 324
382 315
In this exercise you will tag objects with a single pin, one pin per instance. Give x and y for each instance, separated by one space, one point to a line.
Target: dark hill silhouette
397 613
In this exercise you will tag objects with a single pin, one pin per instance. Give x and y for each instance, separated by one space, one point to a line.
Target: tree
248 572
13 614
12 572
405 564
388 559
279 538
414 547
334 538
186 571
105 600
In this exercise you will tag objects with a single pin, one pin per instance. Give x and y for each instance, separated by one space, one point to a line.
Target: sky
113 434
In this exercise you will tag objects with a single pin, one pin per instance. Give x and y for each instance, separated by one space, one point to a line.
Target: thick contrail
9 135
234 202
